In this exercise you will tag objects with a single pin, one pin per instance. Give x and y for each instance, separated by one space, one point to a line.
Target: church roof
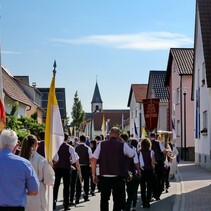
96 96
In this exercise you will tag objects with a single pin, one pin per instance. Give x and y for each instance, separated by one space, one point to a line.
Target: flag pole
54 68
50 188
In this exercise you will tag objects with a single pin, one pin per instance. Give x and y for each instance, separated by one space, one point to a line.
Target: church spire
97 102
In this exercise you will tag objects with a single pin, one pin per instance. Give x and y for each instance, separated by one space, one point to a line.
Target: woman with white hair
44 172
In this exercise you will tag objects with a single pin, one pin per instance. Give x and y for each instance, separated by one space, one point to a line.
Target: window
178 96
97 108
178 128
136 113
205 119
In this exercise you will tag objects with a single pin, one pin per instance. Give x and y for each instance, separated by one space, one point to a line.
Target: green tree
77 113
23 125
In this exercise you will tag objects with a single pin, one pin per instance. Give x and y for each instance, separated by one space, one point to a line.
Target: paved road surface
166 203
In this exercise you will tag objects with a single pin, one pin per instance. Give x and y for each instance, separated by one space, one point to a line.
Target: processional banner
151 112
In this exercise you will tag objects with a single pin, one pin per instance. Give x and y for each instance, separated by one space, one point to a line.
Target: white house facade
202 84
135 102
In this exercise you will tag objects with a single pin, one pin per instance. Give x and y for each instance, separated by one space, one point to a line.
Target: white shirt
135 158
73 154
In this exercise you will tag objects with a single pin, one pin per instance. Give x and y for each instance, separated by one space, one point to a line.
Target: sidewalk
195 187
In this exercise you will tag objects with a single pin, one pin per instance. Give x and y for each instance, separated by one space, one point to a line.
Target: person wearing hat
112 155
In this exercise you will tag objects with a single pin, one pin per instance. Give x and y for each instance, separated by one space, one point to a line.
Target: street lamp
185 136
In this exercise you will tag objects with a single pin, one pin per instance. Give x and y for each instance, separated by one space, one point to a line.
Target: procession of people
118 165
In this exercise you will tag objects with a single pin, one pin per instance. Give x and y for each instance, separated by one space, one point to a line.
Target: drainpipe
181 119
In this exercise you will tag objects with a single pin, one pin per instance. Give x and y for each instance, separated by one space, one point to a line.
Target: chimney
34 84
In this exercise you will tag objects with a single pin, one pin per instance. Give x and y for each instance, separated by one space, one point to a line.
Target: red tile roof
12 89
140 92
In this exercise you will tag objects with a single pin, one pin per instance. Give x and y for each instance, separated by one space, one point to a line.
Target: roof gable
156 86
12 89
183 58
139 90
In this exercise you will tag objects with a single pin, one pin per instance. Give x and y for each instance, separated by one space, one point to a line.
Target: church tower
97 103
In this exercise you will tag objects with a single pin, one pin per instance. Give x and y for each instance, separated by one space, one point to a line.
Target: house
60 95
99 117
112 118
34 95
135 103
181 108
14 93
157 89
201 92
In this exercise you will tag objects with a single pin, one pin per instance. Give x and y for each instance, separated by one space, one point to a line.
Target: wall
21 108
202 143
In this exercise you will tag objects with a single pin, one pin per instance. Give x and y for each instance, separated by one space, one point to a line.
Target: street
167 202
190 190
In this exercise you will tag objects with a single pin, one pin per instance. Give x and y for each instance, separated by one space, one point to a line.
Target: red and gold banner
151 112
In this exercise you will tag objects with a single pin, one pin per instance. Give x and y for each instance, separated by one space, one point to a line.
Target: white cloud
139 41
11 52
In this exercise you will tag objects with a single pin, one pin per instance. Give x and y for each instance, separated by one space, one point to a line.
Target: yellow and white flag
54 134
143 133
103 128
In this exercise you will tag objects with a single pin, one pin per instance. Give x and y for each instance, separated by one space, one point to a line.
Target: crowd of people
116 165
127 163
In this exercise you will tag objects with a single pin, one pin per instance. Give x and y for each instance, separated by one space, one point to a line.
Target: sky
113 42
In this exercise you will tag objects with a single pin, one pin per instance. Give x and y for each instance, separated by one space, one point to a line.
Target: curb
179 204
